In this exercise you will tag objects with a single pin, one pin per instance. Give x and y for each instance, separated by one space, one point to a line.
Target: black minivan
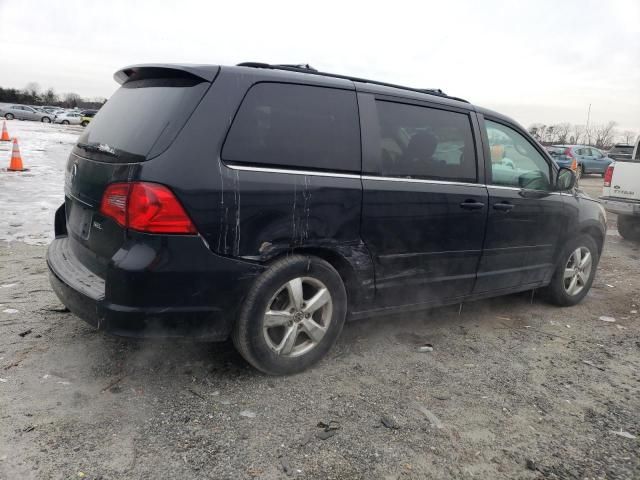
270 203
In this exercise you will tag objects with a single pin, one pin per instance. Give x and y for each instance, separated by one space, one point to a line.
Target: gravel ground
514 388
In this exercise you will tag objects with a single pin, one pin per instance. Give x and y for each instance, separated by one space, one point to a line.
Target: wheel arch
351 278
596 234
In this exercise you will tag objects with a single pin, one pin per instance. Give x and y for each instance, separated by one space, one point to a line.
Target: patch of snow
29 199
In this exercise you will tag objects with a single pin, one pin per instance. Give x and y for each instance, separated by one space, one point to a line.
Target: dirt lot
514 388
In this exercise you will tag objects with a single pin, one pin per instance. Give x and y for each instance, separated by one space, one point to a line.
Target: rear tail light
146 207
608 175
574 163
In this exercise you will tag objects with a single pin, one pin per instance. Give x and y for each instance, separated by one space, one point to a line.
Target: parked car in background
587 159
562 158
87 115
325 197
621 193
621 152
68 118
24 112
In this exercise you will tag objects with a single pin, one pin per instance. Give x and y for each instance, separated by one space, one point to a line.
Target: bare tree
577 134
603 135
561 131
551 134
628 137
533 130
71 99
49 96
32 89
538 131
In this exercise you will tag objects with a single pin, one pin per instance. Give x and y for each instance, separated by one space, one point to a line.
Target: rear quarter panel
254 214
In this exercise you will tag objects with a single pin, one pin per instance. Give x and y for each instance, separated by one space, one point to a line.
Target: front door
526 217
424 204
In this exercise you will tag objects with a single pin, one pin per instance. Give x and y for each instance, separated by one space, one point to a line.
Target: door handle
471 205
503 206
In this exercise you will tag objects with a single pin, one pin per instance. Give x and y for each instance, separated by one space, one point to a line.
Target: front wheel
9 116
65 122
292 315
574 273
629 227
46 120
84 123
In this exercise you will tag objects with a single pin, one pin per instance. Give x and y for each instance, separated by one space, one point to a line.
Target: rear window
556 151
141 119
296 126
622 149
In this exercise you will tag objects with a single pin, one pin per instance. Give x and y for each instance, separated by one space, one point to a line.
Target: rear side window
421 142
296 126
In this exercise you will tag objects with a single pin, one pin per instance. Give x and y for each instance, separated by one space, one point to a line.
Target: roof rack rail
306 68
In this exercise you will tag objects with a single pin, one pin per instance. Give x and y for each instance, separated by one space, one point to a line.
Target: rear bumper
620 206
175 287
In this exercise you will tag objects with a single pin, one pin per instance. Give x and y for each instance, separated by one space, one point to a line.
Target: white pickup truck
621 193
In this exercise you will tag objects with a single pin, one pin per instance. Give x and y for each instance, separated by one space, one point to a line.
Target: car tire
46 120
85 123
65 122
629 227
9 116
570 268
292 315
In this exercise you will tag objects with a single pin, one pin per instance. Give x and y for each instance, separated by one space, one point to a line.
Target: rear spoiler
163 70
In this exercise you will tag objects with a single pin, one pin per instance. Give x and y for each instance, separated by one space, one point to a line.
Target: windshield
141 119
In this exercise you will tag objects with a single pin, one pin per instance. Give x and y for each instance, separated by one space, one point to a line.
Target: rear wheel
581 171
65 122
292 315
84 123
574 272
629 227
9 116
46 120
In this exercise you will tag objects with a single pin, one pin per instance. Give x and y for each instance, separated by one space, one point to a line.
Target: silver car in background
68 118
24 112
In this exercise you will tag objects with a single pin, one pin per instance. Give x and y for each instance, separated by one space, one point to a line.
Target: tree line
33 95
596 135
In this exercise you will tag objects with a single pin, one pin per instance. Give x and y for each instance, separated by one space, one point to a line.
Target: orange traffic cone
5 135
16 159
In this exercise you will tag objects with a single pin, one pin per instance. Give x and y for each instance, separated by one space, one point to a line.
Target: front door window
514 160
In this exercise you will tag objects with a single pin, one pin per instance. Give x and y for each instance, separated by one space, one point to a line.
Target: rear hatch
559 155
625 182
136 124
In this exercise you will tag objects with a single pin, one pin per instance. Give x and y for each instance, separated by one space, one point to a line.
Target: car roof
308 75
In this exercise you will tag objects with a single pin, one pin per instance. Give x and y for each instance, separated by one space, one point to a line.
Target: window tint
142 117
425 142
514 160
296 125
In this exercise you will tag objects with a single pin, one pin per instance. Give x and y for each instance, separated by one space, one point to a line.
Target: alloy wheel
297 316
577 271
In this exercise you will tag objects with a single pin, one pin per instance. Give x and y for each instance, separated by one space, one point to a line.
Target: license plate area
79 219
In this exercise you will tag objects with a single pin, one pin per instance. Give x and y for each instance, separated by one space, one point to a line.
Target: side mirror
566 179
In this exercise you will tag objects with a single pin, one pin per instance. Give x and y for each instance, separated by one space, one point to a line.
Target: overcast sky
537 61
